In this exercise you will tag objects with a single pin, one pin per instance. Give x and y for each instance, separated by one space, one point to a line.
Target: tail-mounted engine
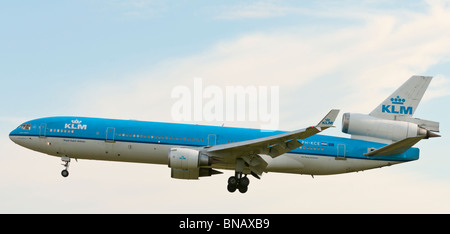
366 127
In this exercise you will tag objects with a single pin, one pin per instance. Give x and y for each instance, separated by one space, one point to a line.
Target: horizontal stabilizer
395 148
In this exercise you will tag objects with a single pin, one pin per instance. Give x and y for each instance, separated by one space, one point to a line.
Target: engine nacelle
186 164
185 158
369 126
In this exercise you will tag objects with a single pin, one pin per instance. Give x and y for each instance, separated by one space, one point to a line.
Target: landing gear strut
66 163
237 181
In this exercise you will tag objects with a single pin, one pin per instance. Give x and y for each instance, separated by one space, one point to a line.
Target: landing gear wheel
242 188
244 181
234 183
238 181
65 173
231 188
233 180
66 163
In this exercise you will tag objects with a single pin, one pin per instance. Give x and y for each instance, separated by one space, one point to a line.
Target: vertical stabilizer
404 101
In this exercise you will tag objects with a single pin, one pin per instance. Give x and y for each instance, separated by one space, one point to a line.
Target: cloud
111 187
138 9
352 66
255 10
439 87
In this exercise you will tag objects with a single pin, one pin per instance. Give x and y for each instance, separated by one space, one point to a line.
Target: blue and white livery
384 137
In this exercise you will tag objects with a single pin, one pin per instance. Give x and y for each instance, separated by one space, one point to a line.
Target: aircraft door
340 151
212 139
110 134
43 130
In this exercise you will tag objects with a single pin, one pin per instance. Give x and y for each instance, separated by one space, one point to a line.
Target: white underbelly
321 165
158 154
101 150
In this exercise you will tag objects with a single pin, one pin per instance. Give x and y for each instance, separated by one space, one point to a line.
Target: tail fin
402 104
404 101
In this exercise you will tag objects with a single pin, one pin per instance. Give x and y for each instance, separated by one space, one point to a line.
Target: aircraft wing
273 146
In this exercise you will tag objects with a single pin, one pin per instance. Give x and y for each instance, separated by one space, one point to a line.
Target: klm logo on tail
397 107
327 121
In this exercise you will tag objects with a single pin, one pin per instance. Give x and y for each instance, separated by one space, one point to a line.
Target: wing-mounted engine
367 127
189 163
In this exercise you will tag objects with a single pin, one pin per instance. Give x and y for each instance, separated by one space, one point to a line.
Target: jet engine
186 163
366 127
186 158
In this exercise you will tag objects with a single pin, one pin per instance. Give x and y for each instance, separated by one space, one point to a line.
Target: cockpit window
25 126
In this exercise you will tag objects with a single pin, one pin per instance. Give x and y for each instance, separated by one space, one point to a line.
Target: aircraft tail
392 120
402 104
404 101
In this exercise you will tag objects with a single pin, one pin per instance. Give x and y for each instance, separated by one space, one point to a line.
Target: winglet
328 120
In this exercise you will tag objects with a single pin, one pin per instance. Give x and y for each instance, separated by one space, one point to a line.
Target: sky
122 59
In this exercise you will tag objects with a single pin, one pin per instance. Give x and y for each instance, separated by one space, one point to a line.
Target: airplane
381 138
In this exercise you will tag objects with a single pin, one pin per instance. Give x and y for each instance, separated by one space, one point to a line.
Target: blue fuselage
99 139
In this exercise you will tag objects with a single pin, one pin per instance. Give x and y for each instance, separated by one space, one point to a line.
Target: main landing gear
66 163
238 181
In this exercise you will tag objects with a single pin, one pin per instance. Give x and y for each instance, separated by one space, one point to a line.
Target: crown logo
398 100
76 121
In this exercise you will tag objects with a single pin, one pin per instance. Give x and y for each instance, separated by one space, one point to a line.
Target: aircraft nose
21 133
12 136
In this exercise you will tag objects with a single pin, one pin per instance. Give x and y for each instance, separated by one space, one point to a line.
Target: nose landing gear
66 163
